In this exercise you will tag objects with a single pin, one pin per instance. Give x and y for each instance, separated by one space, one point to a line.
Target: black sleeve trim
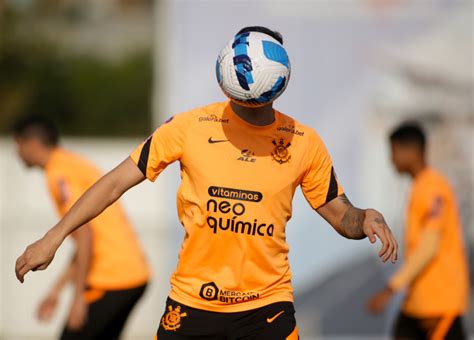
143 161
333 189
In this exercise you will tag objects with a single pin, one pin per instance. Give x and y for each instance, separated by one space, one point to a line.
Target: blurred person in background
241 164
435 271
108 270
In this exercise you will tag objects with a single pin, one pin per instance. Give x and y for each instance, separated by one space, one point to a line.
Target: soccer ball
253 69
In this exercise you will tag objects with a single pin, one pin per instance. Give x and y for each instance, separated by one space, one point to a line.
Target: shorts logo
172 320
281 154
209 291
270 320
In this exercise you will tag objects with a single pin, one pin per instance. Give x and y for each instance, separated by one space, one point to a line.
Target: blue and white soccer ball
253 69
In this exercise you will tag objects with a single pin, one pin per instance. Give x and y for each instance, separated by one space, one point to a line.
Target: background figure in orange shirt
435 270
108 269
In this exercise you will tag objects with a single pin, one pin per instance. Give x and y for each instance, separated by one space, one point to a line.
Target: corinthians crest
172 320
281 153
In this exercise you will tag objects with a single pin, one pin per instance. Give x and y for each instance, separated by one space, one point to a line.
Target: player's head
34 137
407 143
253 68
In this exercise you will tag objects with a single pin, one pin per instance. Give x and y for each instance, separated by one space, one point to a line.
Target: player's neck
44 156
417 168
259 116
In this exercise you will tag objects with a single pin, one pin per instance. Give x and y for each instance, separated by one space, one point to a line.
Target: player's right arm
102 194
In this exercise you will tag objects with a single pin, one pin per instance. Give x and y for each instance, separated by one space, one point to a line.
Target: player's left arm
354 223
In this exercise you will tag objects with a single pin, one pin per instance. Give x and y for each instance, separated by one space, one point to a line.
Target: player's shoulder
201 114
208 113
431 175
68 164
433 180
296 129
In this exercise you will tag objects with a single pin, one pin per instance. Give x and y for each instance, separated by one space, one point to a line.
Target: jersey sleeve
319 183
162 148
433 208
64 191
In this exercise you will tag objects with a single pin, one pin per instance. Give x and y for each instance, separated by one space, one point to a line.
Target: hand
379 301
375 225
78 313
37 256
47 307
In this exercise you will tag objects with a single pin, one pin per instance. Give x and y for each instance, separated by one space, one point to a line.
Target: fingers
19 267
385 243
20 262
371 236
391 246
392 242
23 266
22 272
394 256
388 243
372 306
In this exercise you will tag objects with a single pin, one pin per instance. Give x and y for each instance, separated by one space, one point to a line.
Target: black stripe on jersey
332 191
143 161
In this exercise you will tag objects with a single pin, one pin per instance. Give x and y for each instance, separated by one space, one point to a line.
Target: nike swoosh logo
212 141
270 320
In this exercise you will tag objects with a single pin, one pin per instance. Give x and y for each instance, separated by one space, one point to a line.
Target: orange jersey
117 259
234 200
442 288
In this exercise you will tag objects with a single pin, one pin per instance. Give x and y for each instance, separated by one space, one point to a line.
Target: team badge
63 191
172 320
281 153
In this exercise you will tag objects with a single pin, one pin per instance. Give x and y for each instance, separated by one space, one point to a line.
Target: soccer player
240 167
435 268
108 269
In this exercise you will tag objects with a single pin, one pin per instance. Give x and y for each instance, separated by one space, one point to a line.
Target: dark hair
409 133
274 34
37 126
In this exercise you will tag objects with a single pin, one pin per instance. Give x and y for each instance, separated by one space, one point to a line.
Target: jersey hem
129 285
433 313
243 307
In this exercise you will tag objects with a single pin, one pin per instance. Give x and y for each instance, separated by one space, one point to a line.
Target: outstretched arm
411 269
355 223
102 194
420 259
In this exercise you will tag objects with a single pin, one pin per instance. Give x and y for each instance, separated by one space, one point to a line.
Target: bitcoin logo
209 291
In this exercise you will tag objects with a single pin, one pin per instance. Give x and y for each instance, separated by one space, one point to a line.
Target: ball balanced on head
253 68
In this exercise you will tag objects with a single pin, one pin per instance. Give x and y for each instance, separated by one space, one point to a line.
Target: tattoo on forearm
353 220
345 200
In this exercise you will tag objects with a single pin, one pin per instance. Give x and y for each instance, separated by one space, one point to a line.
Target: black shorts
409 328
107 316
274 322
